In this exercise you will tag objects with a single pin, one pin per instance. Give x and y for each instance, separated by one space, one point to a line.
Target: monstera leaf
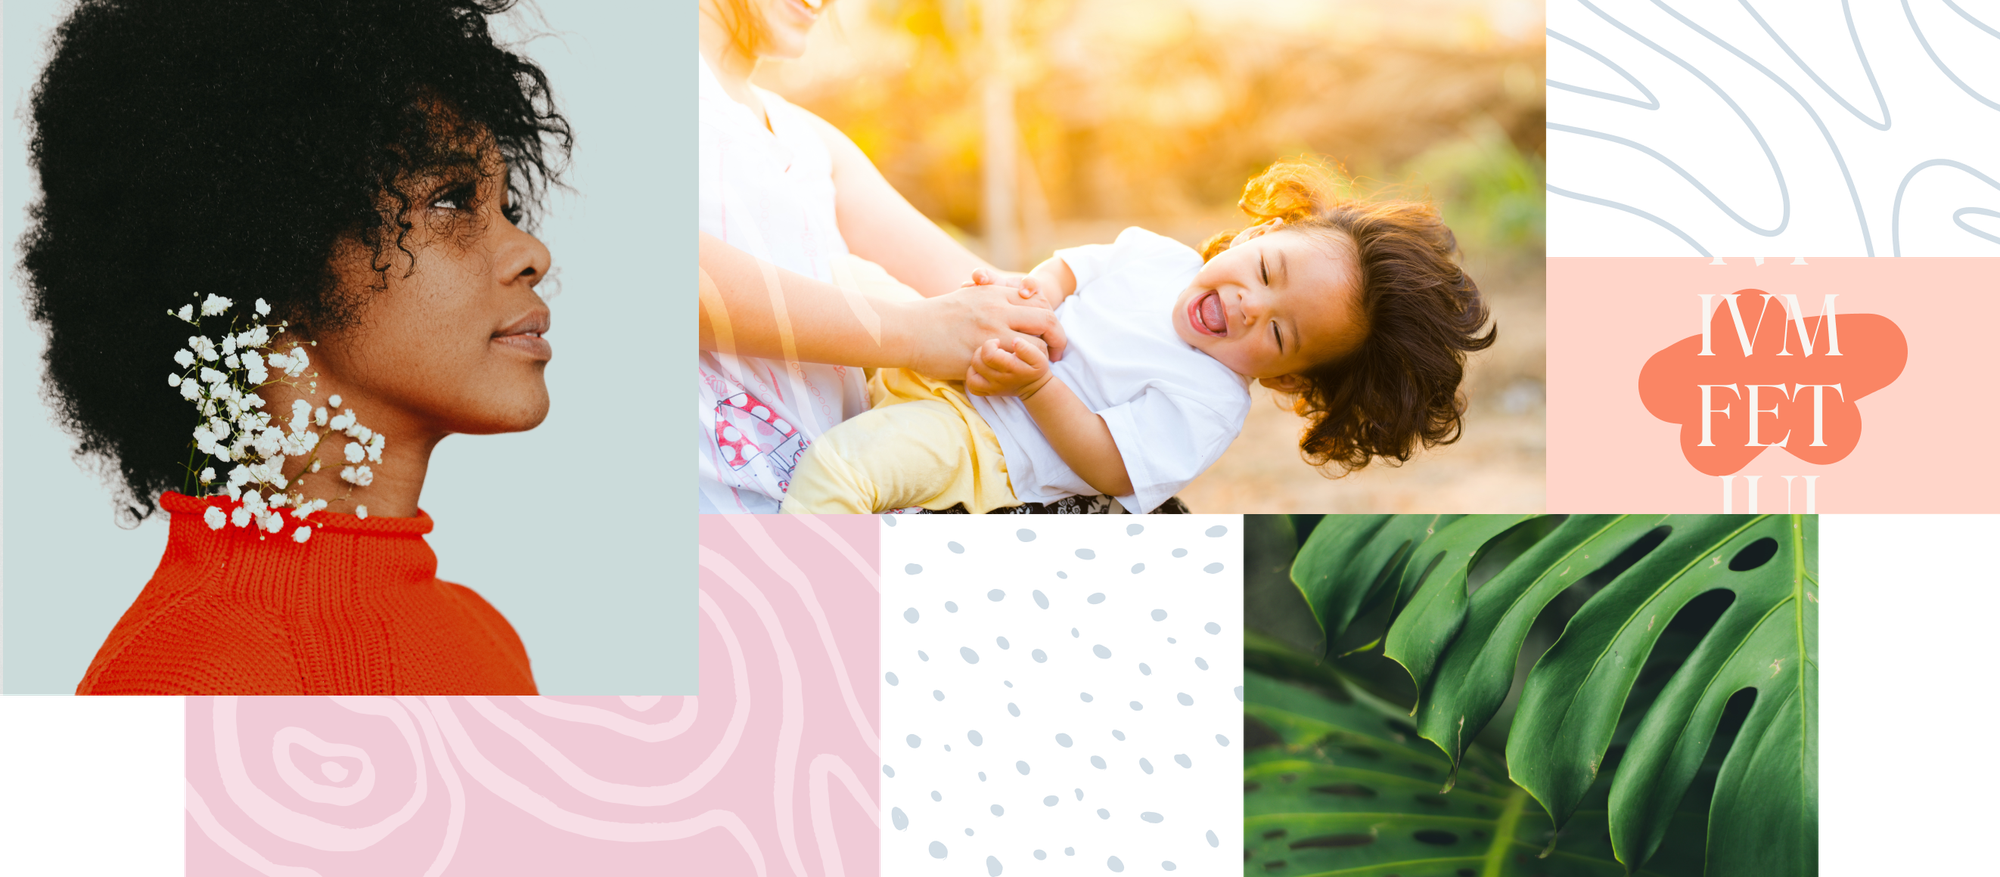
1460 645
1337 783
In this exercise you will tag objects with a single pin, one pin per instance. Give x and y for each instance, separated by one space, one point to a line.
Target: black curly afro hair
224 147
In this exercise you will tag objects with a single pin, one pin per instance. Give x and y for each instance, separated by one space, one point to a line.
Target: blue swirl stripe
1651 103
1841 161
1963 87
1859 53
1621 207
1895 213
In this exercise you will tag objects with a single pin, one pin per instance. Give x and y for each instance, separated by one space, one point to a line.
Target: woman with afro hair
366 172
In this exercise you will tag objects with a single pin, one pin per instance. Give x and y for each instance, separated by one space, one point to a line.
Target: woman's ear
1257 230
1284 383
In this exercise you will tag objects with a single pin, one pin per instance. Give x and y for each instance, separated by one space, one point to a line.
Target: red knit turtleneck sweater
356 609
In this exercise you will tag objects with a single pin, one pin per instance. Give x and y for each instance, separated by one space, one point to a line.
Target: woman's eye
1277 337
1263 273
457 199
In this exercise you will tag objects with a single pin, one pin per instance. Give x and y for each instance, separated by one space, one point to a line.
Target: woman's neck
396 481
732 67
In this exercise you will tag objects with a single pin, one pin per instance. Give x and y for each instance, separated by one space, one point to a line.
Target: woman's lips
525 334
534 345
1206 315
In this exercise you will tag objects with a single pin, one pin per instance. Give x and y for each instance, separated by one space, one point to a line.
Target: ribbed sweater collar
347 555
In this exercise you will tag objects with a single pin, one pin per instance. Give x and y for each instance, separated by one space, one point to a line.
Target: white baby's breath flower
226 375
333 400
302 534
361 511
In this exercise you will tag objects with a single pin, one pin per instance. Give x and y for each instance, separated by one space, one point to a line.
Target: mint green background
582 531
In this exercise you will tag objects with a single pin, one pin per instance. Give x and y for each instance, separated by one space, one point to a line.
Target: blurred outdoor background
1023 126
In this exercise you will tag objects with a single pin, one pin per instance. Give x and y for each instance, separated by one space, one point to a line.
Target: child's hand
1030 288
1007 368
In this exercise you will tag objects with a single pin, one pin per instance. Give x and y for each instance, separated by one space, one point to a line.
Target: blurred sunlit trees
1134 109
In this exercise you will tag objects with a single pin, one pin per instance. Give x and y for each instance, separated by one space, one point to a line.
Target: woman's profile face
449 338
786 25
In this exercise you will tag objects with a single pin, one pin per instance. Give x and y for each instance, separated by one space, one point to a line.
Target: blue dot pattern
1162 603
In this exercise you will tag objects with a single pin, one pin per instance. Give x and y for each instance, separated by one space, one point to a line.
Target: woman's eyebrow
1283 274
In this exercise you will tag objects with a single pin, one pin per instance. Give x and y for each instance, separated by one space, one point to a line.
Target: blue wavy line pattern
1705 74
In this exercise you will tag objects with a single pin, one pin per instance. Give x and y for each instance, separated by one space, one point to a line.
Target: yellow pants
920 444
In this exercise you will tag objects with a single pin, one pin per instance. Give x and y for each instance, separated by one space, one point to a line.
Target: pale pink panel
1923 439
770 771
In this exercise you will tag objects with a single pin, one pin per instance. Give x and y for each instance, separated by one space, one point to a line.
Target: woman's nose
523 257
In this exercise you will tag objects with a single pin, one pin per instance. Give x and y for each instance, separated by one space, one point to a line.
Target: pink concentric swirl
771 770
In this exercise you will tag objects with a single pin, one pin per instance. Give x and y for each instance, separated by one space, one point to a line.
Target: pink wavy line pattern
771 771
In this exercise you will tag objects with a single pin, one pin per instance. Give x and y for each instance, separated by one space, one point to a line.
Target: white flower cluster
222 378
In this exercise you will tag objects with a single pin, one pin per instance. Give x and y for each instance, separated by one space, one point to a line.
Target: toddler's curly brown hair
1399 388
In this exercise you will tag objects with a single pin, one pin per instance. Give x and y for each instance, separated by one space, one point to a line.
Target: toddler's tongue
1212 317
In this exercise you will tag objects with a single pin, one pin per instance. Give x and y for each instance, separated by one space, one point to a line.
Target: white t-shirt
1172 409
768 193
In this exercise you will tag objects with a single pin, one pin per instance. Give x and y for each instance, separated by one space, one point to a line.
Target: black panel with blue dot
1089 673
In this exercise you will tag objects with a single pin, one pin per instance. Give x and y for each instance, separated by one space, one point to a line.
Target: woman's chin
521 412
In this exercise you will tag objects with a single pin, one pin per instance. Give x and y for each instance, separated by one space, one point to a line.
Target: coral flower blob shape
1873 352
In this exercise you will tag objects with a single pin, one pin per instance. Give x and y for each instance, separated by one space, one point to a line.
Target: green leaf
1431 620
1764 819
1475 674
1348 561
1462 650
1343 787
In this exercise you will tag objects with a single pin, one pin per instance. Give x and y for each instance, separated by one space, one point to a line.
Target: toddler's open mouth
1206 315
